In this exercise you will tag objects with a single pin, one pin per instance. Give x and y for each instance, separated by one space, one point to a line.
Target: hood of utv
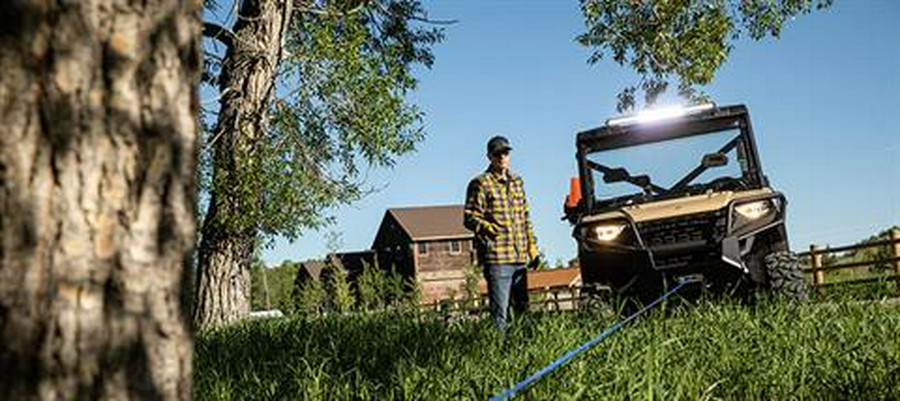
688 205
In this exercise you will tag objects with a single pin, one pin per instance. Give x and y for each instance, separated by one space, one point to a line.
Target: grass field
712 351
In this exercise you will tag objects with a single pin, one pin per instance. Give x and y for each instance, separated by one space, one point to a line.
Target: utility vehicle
674 193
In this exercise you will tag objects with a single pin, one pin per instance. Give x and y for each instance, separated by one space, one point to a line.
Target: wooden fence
567 298
551 299
862 269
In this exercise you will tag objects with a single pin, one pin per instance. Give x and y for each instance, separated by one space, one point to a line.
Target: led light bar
662 113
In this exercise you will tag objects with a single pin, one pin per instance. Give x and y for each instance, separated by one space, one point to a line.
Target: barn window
423 248
455 247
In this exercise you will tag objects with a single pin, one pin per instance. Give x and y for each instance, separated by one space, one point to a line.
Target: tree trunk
229 232
98 106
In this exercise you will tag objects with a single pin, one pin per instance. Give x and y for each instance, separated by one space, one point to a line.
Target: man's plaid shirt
497 212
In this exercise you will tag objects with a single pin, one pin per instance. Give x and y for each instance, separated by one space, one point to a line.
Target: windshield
669 168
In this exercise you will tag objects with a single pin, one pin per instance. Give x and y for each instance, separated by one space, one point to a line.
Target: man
497 212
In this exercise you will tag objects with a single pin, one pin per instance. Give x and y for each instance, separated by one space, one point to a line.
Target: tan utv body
718 219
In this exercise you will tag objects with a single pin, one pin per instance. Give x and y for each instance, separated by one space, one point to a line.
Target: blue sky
824 100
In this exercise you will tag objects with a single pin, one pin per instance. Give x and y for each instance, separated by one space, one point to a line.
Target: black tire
785 276
595 298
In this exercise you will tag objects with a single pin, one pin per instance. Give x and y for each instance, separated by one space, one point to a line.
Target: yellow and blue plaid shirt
497 212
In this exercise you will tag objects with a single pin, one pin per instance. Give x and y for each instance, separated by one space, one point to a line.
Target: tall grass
772 351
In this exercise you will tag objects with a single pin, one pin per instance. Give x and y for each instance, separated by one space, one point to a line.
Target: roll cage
610 137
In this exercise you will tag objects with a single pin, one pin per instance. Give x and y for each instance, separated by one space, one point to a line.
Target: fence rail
561 298
818 268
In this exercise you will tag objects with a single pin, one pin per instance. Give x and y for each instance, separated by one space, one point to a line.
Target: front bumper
651 269
715 244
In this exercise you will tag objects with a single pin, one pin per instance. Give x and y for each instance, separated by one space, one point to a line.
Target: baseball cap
498 143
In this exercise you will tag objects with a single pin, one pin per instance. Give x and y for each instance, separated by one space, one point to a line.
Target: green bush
340 292
395 293
309 298
371 287
472 276
272 287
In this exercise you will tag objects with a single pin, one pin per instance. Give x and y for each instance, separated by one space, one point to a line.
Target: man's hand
533 252
493 230
534 256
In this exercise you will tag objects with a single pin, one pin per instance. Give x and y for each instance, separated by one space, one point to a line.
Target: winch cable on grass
512 391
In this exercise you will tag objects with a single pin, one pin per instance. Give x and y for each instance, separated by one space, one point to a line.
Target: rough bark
228 238
98 106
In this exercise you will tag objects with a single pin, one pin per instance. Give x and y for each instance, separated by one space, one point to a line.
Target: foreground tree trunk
98 106
229 235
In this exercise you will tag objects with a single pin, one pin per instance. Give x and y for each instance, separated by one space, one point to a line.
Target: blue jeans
505 281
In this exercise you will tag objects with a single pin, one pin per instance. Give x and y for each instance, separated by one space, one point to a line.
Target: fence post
815 260
895 253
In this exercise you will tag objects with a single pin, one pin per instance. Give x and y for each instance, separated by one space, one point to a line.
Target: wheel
596 300
785 276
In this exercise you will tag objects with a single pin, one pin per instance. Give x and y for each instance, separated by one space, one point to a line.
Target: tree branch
421 19
433 21
217 32
303 7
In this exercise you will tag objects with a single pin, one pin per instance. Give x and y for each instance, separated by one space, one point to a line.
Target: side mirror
643 180
714 160
615 175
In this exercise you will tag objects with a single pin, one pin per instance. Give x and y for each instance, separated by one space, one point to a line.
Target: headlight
754 210
604 232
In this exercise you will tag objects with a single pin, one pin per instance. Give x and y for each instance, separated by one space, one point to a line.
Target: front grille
709 227
662 262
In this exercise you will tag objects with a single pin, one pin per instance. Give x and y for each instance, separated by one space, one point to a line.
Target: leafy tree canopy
685 40
339 109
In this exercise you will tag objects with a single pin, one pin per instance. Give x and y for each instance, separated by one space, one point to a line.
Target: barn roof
424 223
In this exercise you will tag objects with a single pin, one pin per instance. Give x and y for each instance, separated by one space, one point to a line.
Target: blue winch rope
522 385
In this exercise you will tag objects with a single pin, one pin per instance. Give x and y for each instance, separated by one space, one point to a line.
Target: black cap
497 144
